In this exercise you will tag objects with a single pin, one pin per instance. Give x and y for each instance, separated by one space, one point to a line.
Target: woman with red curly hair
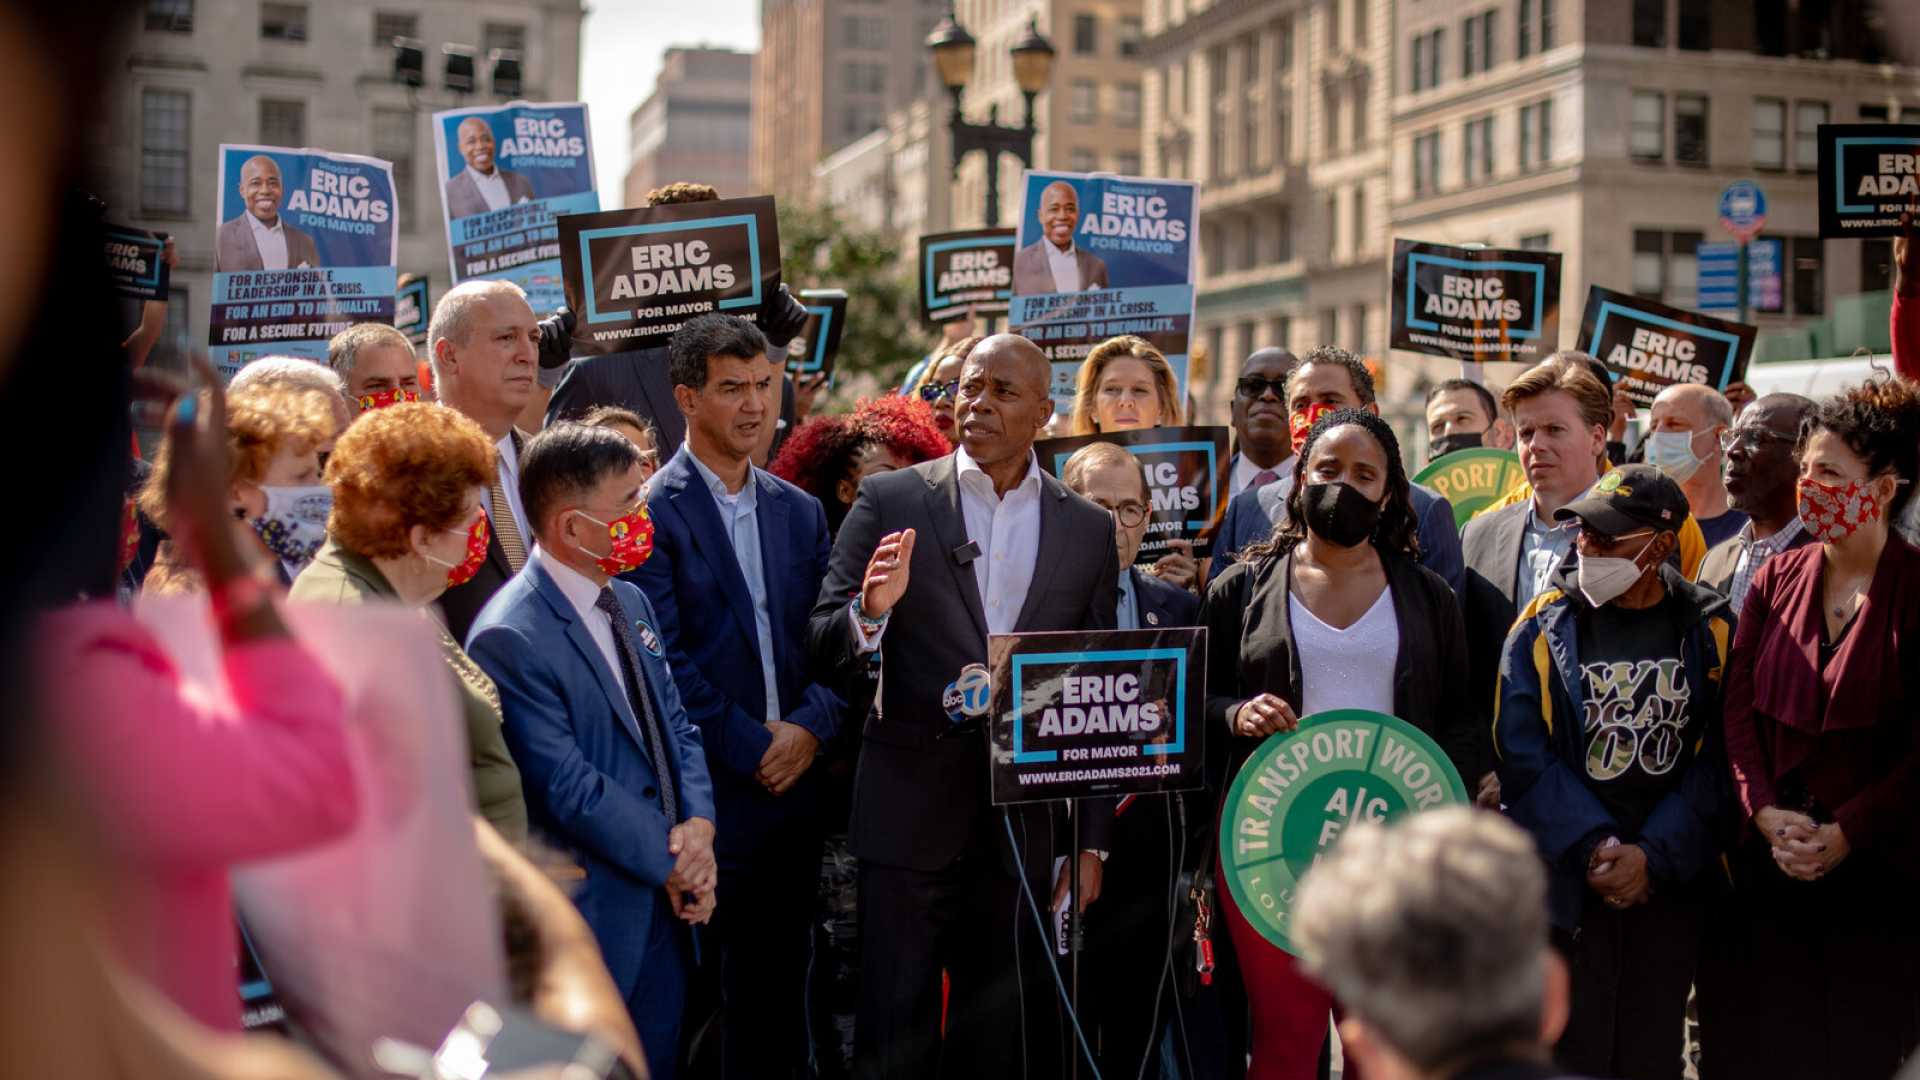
409 522
829 455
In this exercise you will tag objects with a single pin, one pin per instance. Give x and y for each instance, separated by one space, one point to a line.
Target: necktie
504 527
642 701
1262 479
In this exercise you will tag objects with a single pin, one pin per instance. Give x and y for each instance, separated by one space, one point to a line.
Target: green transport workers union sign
1472 479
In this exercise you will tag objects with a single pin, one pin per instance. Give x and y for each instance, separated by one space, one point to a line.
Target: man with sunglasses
1608 735
1262 441
1760 477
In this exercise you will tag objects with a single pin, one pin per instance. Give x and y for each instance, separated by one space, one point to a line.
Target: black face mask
1447 444
1340 514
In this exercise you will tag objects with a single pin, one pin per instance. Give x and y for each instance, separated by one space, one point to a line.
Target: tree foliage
821 251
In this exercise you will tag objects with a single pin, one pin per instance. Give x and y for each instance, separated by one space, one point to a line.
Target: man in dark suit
612 767
259 239
929 561
482 343
1262 442
1054 263
1333 378
1760 479
482 185
738 558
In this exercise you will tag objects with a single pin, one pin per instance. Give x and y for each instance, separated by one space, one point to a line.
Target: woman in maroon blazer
1811 968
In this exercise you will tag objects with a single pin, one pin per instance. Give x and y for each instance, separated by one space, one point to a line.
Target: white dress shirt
272 242
1066 268
583 594
492 187
739 516
509 466
1244 471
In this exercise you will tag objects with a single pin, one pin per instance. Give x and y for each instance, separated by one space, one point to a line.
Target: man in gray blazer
259 239
1052 263
482 185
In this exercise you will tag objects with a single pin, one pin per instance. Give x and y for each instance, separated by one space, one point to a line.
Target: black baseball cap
1628 499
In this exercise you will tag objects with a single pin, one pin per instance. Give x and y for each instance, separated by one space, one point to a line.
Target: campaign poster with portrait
1083 714
1869 174
1098 256
1475 304
305 247
1187 479
505 173
965 273
633 277
1649 346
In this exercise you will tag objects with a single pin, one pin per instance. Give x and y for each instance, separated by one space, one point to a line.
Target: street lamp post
953 49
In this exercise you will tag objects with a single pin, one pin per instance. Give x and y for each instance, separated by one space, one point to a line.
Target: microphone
966 553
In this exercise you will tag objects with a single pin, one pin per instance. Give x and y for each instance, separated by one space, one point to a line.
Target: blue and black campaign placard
1099 256
1077 715
1475 304
965 273
411 308
812 352
136 262
633 277
1649 346
305 247
505 172
1869 173
1187 479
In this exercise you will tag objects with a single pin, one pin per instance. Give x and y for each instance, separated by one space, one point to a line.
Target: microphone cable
1173 933
1040 924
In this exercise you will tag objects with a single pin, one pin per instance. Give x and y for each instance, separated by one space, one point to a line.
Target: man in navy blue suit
738 558
1333 378
612 767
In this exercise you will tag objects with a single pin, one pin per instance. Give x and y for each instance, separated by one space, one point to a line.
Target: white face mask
1604 580
1672 453
295 522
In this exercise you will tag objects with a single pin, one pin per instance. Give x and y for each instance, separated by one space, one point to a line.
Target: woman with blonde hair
1125 383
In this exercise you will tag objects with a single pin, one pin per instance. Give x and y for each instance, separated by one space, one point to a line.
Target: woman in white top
1331 612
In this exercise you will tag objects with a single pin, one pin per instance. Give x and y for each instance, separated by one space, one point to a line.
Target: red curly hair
406 465
822 452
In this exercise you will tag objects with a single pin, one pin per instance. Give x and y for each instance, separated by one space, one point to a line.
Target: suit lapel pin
648 639
1153 618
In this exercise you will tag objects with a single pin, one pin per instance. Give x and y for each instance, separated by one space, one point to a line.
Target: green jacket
339 576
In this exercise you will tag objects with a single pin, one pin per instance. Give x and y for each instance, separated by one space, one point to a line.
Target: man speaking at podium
930 561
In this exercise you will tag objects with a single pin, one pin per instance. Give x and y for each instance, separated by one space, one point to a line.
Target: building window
1874 114
1217 129
1358 321
1476 44
1690 129
1252 155
1523 31
1536 134
1537 242
1280 331
1330 119
1648 140
1285 60
507 37
1127 163
1250 61
864 77
1696 25
1126 104
1330 214
1329 327
1769 133
1807 118
1428 49
1130 36
1283 130
283 123
1476 147
1249 244
1086 35
1876 264
170 16
1283 234
1650 23
388 25
1426 163
164 151
865 31
393 141
283 22
1083 160
1649 263
1546 24
1359 219
1214 248
1666 266
1084 106
1359 114
1809 281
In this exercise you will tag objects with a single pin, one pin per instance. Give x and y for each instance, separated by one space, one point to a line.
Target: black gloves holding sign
556 338
780 318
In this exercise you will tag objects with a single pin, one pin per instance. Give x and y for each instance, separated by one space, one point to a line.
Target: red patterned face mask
1831 513
460 573
383 398
632 536
1302 422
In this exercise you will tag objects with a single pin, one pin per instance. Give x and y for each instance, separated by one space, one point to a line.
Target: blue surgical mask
1672 453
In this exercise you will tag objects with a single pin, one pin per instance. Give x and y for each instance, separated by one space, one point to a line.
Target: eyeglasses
650 458
1253 387
1593 538
1128 514
1751 439
935 391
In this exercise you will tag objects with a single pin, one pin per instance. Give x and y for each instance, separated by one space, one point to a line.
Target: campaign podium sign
1472 479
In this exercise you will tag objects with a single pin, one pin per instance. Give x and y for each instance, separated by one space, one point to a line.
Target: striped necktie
640 697
505 529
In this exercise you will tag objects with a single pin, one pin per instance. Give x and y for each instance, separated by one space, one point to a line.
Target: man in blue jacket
1607 727
613 770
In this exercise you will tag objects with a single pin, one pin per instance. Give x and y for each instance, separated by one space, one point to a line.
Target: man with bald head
1688 420
482 185
1053 263
929 562
1760 478
258 238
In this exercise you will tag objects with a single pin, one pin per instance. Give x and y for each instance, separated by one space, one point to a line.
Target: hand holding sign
886 578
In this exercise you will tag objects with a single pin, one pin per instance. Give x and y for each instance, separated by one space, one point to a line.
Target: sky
622 43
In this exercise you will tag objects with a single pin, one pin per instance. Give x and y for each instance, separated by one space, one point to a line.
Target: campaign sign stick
1126 245
1187 479
411 308
633 277
1475 303
1099 712
1649 346
1869 173
1299 791
968 272
136 263
506 171
812 352
1472 479
305 247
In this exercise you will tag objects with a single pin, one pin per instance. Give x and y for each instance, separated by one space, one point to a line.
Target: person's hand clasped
1091 869
695 870
886 578
1803 850
1264 715
787 758
1487 797
1619 875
